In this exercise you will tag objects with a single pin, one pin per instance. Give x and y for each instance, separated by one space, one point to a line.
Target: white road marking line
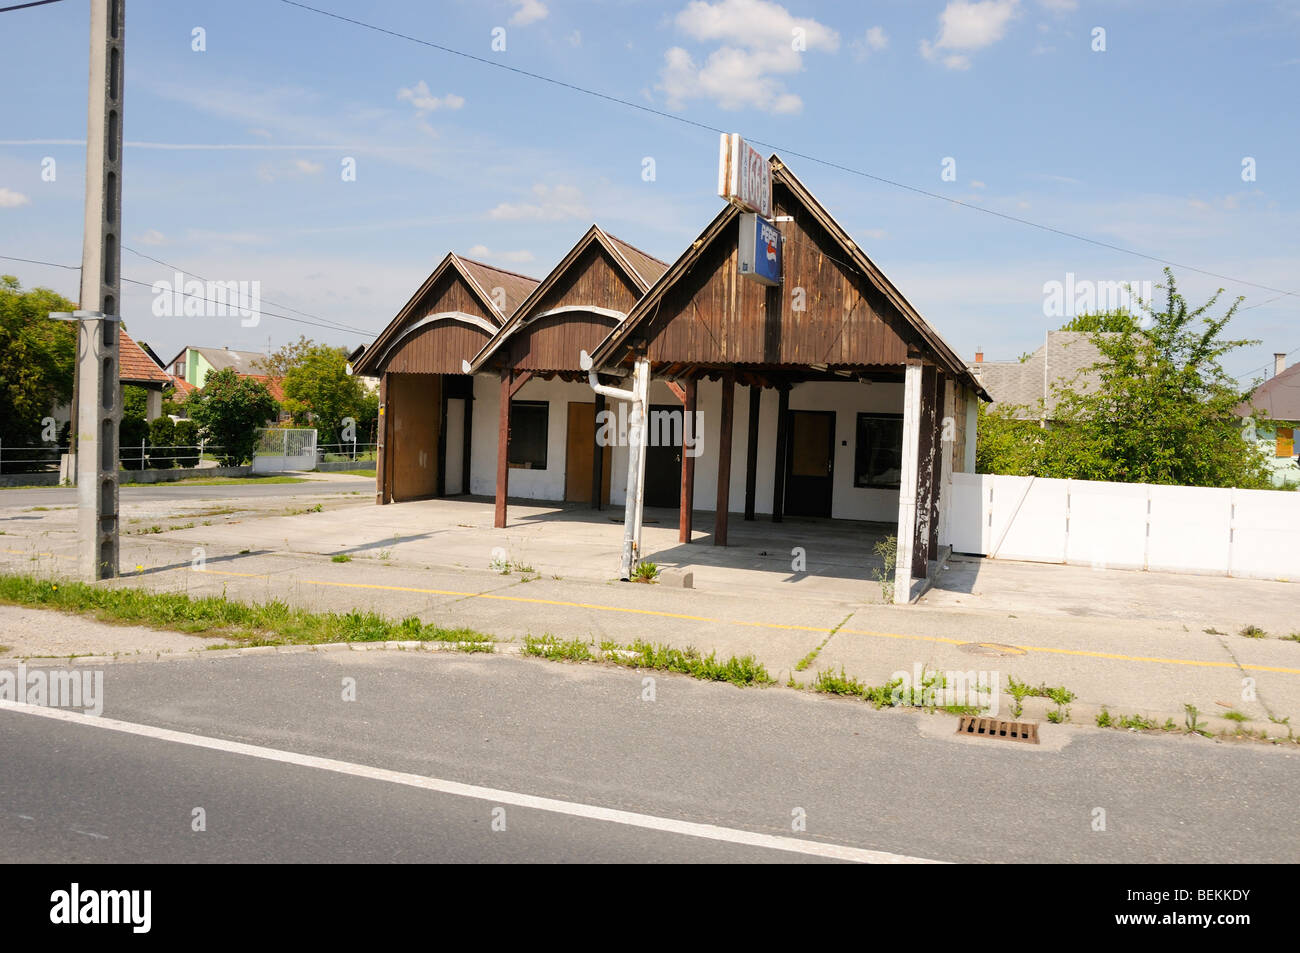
495 795
89 834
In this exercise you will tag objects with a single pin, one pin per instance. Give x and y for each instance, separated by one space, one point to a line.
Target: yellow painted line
1085 653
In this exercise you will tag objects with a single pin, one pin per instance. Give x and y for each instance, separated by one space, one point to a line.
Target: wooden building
426 436
853 406
547 416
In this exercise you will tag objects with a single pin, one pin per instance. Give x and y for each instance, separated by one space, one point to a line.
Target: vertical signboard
760 249
744 176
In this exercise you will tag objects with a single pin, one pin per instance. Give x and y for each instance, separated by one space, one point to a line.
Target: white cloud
1060 6
528 11
761 42
873 41
550 204
523 256
424 101
575 38
306 166
965 26
11 199
152 237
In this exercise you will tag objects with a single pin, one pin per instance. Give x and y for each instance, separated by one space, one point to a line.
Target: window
528 432
878 459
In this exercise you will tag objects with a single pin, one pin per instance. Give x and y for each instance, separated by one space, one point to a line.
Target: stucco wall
847 399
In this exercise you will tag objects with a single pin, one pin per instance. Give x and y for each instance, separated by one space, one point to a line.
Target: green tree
1120 321
229 410
319 392
37 355
1162 411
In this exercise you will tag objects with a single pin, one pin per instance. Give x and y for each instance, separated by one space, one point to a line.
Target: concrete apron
1132 652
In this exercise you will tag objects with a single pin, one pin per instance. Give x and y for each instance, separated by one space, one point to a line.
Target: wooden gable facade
574 308
451 316
835 310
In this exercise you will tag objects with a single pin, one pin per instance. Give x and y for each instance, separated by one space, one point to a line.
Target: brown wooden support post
782 438
751 452
684 520
728 412
382 495
440 484
597 456
503 452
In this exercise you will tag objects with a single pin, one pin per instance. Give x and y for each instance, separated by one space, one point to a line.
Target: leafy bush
186 438
162 435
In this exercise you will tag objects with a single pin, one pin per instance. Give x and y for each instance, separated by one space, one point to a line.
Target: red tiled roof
134 366
274 384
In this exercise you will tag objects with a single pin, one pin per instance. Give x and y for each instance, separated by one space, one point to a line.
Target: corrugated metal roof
516 286
648 266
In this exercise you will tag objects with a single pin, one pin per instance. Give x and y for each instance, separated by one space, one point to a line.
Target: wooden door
663 463
579 453
415 416
810 465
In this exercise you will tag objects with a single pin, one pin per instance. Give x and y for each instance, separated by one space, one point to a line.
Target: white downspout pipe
632 504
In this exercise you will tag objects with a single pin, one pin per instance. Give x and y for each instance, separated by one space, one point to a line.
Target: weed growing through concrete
340 558
887 550
1253 632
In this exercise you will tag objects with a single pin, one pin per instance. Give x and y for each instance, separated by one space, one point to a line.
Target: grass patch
1253 632
1234 715
267 623
548 646
359 473
742 671
340 558
842 684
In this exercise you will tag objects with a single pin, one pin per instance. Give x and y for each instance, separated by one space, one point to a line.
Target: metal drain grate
1026 731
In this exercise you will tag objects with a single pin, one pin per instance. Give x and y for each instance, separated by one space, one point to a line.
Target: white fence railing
284 449
1128 525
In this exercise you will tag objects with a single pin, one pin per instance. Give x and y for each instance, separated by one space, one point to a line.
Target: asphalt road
745 761
64 496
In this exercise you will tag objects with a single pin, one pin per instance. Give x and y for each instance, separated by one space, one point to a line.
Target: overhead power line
24 6
641 107
185 294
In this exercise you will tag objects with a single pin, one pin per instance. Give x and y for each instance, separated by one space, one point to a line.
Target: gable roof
639 268
781 174
1278 398
1063 358
478 277
133 365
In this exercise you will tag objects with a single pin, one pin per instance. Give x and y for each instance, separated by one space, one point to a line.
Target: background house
1275 408
1063 359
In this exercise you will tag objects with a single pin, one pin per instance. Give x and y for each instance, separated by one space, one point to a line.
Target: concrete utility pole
98 394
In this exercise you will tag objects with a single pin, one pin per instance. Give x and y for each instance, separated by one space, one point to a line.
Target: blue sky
234 153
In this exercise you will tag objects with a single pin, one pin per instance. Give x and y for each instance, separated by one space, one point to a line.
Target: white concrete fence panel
1128 525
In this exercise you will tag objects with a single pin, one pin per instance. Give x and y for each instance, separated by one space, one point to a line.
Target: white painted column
907 484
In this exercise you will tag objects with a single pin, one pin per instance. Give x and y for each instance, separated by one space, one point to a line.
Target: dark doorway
663 461
810 464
